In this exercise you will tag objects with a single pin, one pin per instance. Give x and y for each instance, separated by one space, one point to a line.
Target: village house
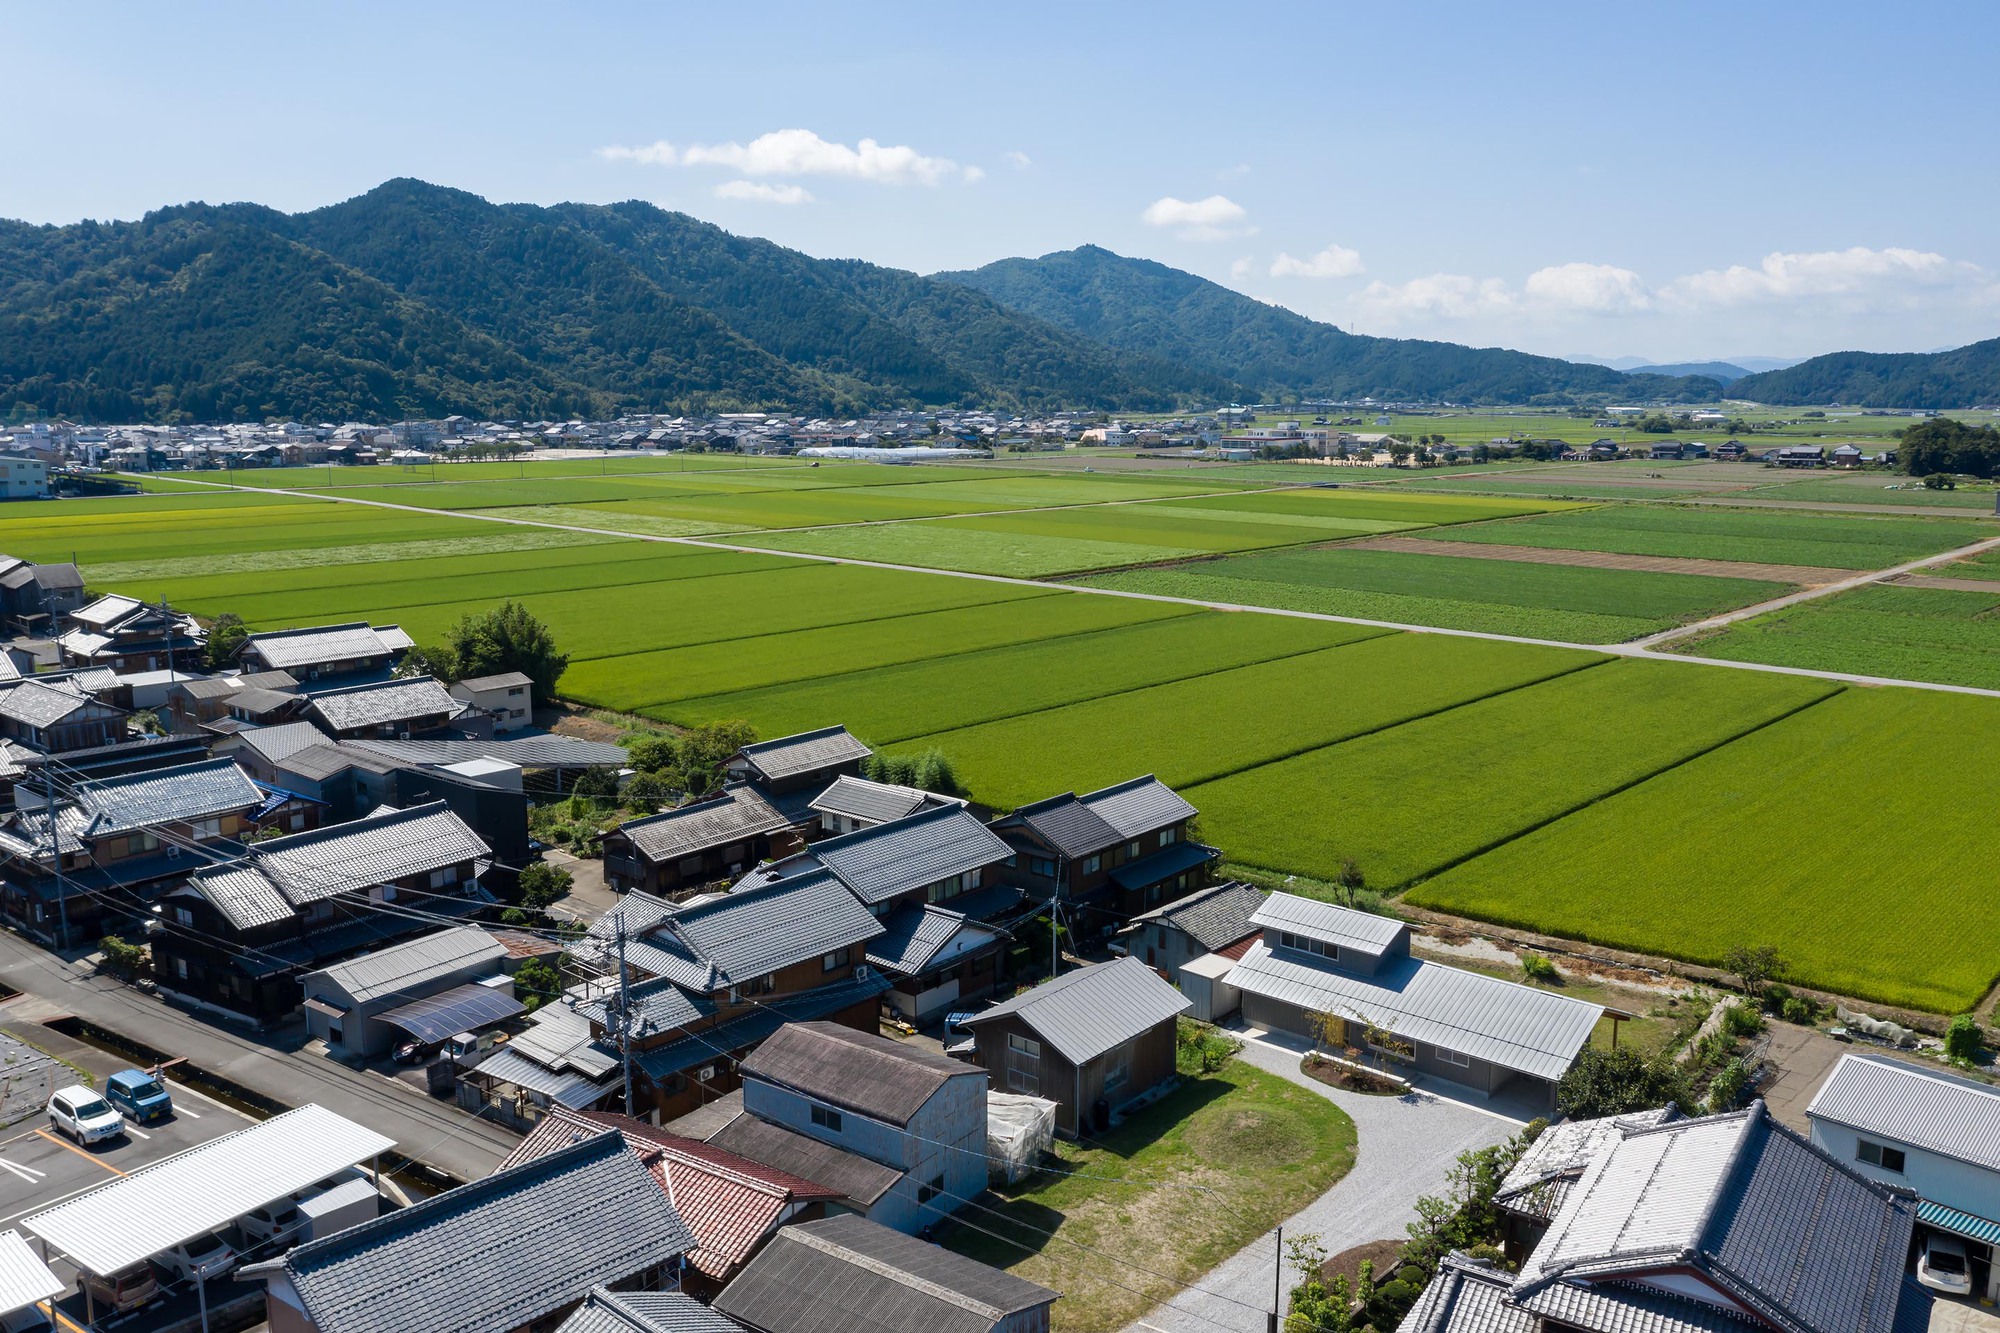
1113 853
364 1006
792 770
36 598
506 698
326 652
608 1311
851 804
237 937
681 851
124 634
1092 1041
55 715
385 710
194 705
1206 921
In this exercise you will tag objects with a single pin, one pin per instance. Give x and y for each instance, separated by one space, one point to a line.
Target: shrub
1740 1020
1604 1083
130 961
1537 967
646 793
1726 1088
537 982
1800 1010
597 783
1963 1039
1774 997
543 885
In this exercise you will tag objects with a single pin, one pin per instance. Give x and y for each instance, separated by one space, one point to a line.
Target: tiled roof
282 741
1093 1009
166 795
846 1274
1142 805
913 935
1467 1297
411 963
1364 932
385 703
1952 1117
859 1071
34 704
217 687
734 814
607 1311
1560 1155
874 802
288 648
657 1006
106 611
807 752
735 937
527 751
498 1253
1068 825
1214 917
879 863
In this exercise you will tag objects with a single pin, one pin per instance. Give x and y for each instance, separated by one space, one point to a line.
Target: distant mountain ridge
1715 370
1962 377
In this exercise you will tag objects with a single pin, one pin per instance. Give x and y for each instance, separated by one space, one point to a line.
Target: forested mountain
1961 377
1715 370
1139 306
415 300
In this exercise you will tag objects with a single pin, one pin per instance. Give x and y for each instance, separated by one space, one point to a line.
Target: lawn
1195 730
1939 634
1567 603
961 689
1410 801
1167 1195
1833 836
1827 541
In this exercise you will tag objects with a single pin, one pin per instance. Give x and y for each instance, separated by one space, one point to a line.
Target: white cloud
1210 219
763 192
1597 288
1858 274
974 174
1017 159
1336 261
1242 268
1441 295
802 153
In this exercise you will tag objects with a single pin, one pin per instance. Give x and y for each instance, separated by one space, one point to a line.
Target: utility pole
1278 1280
625 1018
55 852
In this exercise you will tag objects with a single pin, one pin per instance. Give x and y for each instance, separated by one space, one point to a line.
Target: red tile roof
1241 947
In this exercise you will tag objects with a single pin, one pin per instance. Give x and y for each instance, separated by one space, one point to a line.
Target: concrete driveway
1406 1146
589 896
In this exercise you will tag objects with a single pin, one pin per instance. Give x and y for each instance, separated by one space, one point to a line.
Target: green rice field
1939 634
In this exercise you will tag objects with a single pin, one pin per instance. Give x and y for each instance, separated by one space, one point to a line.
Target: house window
1880 1154
1169 835
440 878
927 1192
1131 851
1042 866
1024 1065
1306 944
181 968
183 916
1117 1070
1091 863
826 1118
834 961
1445 1057
145 842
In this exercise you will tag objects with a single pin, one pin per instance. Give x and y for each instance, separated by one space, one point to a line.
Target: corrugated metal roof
846 1274
205 1188
288 648
740 1034
105 611
1093 1009
1361 931
1142 805
496 1254
875 802
859 1071
560 1038
24 1278
1173 859
167 795
1514 1026
1952 1117
737 812
1969 1225
607 1311
411 963
789 756
383 704
527 751
507 1064
505 680
879 863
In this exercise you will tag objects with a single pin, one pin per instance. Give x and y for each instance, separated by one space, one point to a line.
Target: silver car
83 1115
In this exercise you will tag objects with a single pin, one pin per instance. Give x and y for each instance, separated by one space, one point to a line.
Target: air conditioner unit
402 735
173 853
861 972
704 1074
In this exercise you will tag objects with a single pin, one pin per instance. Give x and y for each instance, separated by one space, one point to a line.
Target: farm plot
1392 509
653 682
1194 730
1951 636
1409 801
1565 603
943 693
182 528
1880 489
1826 836
1825 541
396 474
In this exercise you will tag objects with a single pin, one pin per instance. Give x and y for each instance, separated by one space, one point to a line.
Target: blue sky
1619 180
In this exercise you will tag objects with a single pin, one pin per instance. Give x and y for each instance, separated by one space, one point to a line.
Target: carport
203 1189
465 1008
24 1279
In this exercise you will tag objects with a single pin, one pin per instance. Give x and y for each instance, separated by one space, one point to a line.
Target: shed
1204 981
1092 1041
347 1004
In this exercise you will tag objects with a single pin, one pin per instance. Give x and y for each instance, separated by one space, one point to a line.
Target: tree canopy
1946 444
507 638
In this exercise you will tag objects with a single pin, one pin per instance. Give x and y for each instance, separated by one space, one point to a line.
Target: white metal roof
1362 931
205 1188
1937 1112
24 1278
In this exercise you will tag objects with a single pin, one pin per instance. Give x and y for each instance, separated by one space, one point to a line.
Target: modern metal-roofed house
912 1110
1118 851
345 1002
507 1254
325 651
1927 1131
384 710
251 926
1090 1041
849 1275
686 849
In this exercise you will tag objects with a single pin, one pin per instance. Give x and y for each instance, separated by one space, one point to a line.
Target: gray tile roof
858 1071
1364 932
737 812
1952 1117
1215 917
1778 1225
1141 805
606 1311
856 1177
318 645
1466 1297
879 863
527 751
1093 1009
807 752
1538 1181
559 1037
657 1006
912 936
846 1274
218 687
739 1034
1510 1025
498 1253
505 680
874 802
1627 1307
735 937
411 963
166 795
34 704
282 741
384 704
1068 825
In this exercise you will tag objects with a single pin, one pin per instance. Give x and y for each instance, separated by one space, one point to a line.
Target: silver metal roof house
306 653
1089 1011
522 1245
203 1189
353 1006
849 1275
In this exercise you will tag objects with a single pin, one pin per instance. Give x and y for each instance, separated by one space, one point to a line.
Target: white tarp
1019 1130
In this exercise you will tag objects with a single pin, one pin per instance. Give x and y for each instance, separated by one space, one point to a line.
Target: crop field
1410 801
1879 488
1828 836
1194 730
1827 541
1566 603
1947 635
390 474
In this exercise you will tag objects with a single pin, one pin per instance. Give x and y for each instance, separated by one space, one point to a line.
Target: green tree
430 659
596 783
1962 1038
1619 1082
544 885
1350 881
1944 445
226 634
122 959
536 982
1754 966
507 638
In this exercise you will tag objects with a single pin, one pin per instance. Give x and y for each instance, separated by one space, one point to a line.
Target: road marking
27 1173
61 1142
131 1128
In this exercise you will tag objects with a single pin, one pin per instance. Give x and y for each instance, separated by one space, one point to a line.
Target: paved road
1406 1147
434 1132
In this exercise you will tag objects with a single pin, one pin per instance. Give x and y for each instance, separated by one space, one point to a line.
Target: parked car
1941 1265
139 1096
27 1319
274 1221
127 1289
205 1258
83 1115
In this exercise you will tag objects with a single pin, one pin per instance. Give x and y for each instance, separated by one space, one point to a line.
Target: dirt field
1654 564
